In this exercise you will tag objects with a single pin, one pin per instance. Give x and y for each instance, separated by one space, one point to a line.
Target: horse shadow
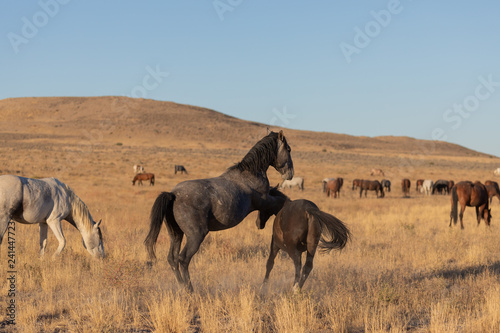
461 273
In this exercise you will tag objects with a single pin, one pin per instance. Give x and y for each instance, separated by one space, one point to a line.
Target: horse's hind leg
270 261
308 266
44 227
193 242
297 261
461 215
173 253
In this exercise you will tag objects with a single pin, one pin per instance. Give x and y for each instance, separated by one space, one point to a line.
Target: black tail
337 234
454 204
161 208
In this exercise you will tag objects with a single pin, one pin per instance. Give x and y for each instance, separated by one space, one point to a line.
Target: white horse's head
93 241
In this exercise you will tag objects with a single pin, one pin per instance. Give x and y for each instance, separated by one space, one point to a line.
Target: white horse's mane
79 211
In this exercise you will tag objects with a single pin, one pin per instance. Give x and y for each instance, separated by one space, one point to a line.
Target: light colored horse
46 202
497 172
377 172
427 186
138 169
295 181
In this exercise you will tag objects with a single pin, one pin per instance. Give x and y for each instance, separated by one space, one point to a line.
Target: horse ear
97 224
281 136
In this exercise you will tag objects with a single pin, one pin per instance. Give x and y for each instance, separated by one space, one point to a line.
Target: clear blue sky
424 69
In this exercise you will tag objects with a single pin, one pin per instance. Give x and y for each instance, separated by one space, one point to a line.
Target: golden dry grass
405 269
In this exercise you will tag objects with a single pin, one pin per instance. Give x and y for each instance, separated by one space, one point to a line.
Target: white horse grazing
497 172
46 202
427 186
295 181
138 169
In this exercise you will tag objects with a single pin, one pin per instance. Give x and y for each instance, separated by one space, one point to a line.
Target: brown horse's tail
160 211
454 205
334 234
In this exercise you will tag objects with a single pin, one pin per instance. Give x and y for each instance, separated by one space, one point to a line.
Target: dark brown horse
371 185
180 168
333 187
473 195
405 186
299 227
356 183
144 176
419 184
493 189
194 208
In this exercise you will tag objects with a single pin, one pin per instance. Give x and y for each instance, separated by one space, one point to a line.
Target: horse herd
141 175
193 208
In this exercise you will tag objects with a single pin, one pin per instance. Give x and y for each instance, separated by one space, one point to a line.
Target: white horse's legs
4 223
55 226
43 237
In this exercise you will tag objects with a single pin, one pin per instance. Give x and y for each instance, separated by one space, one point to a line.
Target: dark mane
262 154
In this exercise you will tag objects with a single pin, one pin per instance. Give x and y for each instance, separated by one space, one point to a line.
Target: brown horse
356 183
493 189
299 227
372 185
144 176
405 186
472 195
419 184
333 187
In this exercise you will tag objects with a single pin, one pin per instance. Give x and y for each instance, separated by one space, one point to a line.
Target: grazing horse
295 181
372 185
324 181
493 189
194 208
427 186
138 169
377 172
144 176
386 184
180 168
441 186
419 184
472 195
47 201
405 186
356 183
301 226
333 187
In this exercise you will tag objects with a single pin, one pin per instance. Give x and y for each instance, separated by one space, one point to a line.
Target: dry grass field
404 270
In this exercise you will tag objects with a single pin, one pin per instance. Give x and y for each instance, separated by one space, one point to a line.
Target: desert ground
405 269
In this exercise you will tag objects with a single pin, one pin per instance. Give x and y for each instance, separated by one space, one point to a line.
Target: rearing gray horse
195 207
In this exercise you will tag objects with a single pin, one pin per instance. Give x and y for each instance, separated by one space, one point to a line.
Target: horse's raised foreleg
193 242
43 237
55 226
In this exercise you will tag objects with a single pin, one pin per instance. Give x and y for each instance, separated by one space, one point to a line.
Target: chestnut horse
144 176
472 195
405 186
333 187
301 226
372 185
493 189
419 184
